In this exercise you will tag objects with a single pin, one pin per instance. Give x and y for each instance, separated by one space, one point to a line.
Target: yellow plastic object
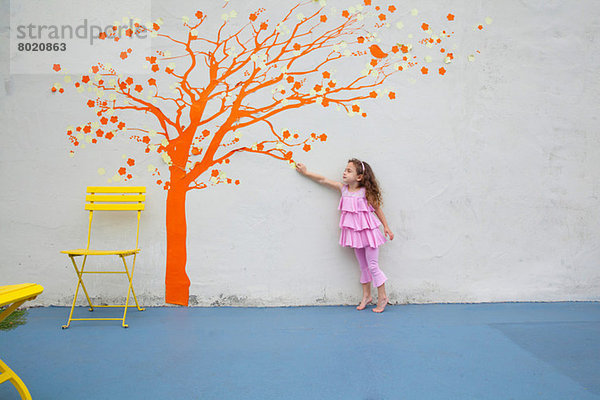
108 198
15 295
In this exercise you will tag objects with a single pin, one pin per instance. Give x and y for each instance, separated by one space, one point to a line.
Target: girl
361 197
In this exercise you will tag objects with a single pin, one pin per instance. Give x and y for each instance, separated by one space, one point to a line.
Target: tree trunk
177 283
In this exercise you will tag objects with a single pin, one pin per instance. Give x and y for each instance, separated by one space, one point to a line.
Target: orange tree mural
211 84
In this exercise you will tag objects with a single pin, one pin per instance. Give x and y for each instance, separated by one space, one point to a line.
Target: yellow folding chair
108 198
15 295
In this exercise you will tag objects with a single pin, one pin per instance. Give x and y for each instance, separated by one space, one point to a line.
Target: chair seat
90 252
15 293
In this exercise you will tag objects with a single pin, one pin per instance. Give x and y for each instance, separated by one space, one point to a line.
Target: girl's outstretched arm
301 168
386 229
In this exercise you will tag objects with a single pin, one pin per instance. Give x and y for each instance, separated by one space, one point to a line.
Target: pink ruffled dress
358 222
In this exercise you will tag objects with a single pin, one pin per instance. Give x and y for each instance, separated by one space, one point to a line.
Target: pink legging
369 266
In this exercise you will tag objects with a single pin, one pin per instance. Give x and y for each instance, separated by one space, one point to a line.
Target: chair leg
7 374
87 296
129 289
10 309
132 289
79 282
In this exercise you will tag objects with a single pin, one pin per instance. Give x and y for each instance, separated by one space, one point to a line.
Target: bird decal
377 52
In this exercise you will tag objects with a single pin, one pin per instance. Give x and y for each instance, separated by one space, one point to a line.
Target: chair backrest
115 198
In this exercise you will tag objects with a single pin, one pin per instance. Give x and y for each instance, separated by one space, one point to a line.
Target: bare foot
364 303
381 303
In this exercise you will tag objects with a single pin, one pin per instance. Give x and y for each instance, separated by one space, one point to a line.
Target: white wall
491 179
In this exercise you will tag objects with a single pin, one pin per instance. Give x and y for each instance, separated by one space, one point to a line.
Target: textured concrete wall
491 179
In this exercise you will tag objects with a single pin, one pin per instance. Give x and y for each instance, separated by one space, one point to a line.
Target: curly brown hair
368 181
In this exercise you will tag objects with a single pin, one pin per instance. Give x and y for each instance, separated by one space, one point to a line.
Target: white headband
363 166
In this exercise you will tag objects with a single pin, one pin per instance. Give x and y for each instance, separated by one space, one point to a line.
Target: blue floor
454 351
